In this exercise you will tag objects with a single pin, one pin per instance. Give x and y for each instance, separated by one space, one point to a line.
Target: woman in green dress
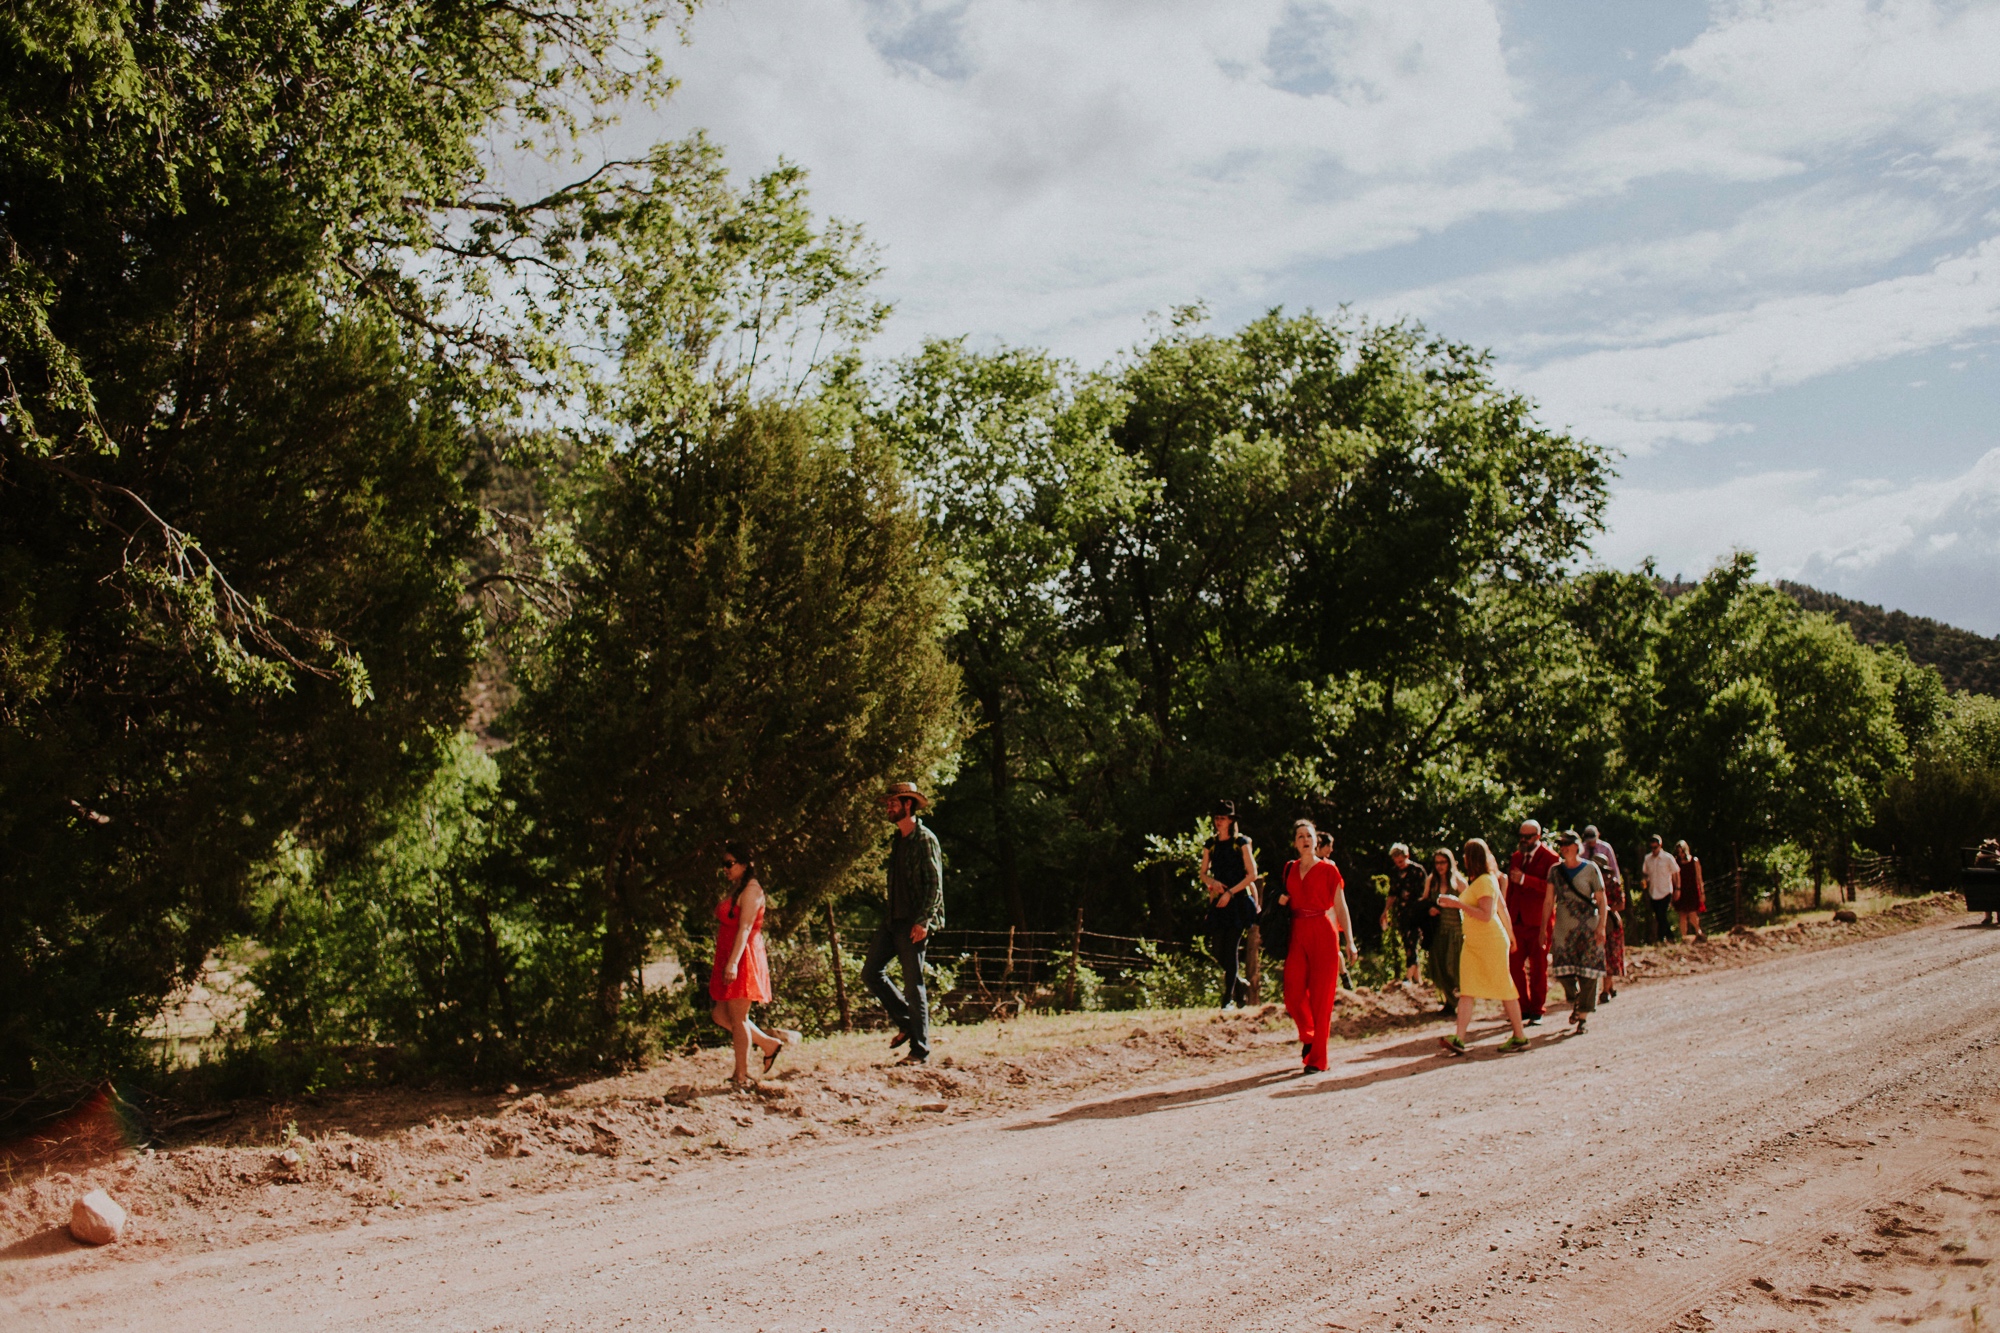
1447 928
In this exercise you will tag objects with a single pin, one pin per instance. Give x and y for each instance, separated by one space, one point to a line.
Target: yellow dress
1482 960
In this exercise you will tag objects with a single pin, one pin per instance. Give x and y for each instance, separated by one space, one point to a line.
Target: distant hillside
1967 661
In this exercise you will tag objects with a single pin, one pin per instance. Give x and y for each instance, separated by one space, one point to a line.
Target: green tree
1950 798
1772 725
1010 462
1307 563
1351 540
751 651
251 298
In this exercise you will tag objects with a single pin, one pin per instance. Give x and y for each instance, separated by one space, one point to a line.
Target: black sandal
772 1057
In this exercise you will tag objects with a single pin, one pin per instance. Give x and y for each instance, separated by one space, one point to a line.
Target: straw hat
909 789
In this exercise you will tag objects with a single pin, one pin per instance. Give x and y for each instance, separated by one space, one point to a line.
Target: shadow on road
1283 1083
1146 1103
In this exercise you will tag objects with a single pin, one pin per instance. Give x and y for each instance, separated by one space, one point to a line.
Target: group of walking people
1487 932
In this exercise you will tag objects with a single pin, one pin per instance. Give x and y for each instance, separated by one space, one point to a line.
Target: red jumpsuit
1528 905
1312 968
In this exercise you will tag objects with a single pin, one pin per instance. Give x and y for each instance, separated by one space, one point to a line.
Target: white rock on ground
96 1219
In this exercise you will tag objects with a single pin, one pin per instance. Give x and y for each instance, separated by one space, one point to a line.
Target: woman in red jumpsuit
1314 892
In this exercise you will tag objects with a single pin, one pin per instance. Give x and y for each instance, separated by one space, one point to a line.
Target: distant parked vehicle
1979 880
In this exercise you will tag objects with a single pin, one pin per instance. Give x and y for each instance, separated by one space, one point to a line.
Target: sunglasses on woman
730 863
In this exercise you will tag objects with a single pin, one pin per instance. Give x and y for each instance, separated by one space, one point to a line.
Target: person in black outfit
1229 876
1414 922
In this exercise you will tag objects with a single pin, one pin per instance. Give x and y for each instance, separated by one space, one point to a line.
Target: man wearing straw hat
916 908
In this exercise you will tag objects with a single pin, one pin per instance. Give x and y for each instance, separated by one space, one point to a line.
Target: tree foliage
751 652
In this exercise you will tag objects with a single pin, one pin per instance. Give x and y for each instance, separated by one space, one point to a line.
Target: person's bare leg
1513 1008
739 1031
763 1040
1465 1014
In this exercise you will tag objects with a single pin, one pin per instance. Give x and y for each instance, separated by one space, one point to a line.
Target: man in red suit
1532 909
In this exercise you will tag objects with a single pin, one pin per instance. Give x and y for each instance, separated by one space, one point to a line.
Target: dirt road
1803 1143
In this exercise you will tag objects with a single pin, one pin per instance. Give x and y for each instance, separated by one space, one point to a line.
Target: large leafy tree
1011 463
1351 539
1771 724
751 651
1308 563
253 301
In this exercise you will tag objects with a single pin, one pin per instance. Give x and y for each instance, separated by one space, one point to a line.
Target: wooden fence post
1007 972
1736 905
839 981
1075 949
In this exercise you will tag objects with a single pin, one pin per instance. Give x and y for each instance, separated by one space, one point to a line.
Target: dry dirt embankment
257 1173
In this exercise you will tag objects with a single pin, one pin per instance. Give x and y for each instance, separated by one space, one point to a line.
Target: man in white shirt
1662 876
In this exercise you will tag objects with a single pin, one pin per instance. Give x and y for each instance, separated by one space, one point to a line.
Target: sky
1754 248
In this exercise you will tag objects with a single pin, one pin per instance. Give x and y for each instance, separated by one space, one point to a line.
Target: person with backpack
1614 932
1229 876
1583 912
915 909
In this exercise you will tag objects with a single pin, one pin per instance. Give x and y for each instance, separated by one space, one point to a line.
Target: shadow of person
1422 1045
42 1245
1437 1059
1145 1103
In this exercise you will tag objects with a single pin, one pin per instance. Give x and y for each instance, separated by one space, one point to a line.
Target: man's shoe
914 1059
1534 1022
898 1040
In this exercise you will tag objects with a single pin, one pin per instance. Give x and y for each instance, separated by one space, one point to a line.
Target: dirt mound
1752 944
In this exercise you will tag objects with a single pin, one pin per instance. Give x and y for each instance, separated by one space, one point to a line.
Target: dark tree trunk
619 955
839 981
1006 852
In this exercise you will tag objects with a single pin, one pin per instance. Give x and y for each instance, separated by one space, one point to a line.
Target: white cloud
1803 189
1636 397
1775 84
1051 169
1826 231
1931 548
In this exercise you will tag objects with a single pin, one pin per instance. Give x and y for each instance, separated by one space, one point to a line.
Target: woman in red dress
741 975
1316 895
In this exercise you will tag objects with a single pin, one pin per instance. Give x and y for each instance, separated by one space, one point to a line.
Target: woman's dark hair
740 853
1451 869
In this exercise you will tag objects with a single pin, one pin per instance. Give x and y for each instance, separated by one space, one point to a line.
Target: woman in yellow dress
1482 959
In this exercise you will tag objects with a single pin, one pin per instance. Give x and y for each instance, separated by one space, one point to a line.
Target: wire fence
1022 957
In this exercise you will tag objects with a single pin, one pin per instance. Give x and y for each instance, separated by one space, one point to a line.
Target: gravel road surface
1802 1143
